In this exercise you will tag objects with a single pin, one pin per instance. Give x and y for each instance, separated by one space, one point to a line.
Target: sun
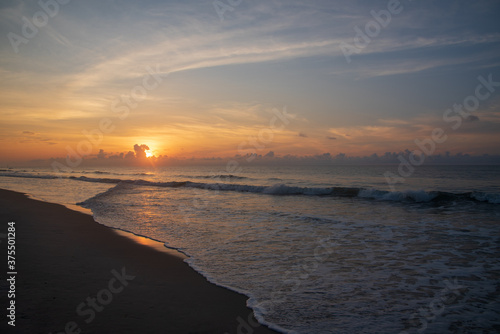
149 153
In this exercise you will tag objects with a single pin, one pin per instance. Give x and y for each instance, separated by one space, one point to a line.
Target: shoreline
70 269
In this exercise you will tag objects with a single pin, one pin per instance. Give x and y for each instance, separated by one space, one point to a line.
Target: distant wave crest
412 196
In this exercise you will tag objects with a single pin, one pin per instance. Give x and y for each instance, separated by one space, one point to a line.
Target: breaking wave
412 196
415 196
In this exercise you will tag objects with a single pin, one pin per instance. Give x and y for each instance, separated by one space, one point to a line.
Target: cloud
30 137
472 118
396 57
270 154
85 68
140 151
290 159
129 155
101 154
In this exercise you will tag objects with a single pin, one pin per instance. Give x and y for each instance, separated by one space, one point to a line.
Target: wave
490 198
408 196
112 173
90 201
27 175
216 177
415 196
99 180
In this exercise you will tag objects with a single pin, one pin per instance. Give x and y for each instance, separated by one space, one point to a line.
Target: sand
77 276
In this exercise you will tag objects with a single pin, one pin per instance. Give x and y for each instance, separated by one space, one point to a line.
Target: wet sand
77 276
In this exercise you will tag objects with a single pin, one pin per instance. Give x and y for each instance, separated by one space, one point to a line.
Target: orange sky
188 83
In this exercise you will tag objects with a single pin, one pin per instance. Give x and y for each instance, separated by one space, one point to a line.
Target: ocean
317 249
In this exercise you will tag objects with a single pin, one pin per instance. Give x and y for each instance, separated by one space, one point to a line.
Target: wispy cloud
222 78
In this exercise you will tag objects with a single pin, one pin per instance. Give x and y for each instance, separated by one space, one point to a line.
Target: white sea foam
281 189
318 255
413 195
483 197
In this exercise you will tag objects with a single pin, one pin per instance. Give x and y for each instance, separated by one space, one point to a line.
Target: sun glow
149 153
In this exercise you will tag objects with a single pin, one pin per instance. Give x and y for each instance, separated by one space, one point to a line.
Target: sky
232 77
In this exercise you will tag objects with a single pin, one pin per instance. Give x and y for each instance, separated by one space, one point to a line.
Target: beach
74 275
325 250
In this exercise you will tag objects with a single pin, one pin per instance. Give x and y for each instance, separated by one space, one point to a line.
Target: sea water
317 249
